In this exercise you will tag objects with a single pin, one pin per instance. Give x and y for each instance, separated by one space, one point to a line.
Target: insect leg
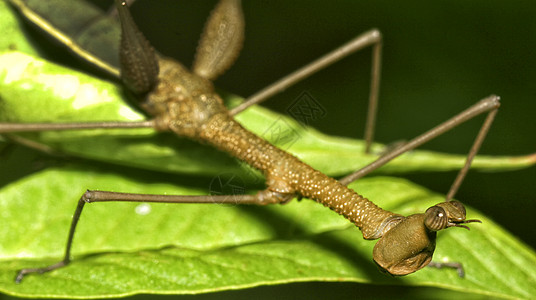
453 265
370 38
472 152
25 127
489 104
261 198
34 127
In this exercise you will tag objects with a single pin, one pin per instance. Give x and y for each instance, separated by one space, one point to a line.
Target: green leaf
123 248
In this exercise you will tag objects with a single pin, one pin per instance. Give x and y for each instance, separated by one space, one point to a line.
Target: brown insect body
186 104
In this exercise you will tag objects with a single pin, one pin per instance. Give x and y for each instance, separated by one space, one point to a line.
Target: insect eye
435 218
459 207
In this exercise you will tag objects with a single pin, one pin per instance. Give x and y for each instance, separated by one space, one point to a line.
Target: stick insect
185 103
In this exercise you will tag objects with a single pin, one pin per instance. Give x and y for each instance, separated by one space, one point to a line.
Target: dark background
439 58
